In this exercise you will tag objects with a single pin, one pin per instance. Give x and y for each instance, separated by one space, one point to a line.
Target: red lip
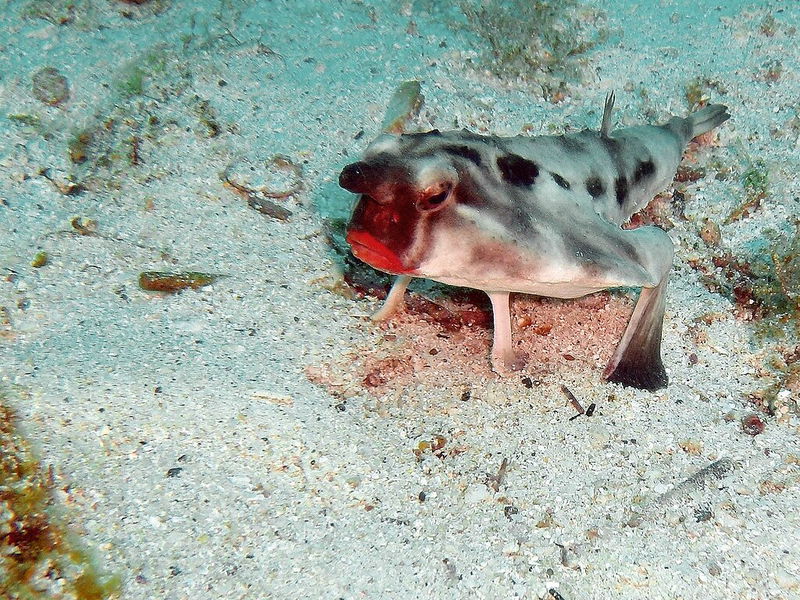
376 254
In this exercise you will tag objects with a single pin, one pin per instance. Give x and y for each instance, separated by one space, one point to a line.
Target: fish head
404 197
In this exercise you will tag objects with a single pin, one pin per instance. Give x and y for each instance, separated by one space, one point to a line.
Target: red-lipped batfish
537 215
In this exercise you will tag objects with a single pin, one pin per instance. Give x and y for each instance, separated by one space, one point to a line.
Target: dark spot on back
560 181
594 186
464 152
643 169
621 189
571 144
517 170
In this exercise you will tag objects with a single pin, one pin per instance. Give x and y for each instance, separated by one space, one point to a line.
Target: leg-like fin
637 360
504 359
394 301
605 124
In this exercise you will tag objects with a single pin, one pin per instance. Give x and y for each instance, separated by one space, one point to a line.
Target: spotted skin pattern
538 215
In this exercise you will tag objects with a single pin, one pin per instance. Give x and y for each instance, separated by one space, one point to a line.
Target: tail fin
707 118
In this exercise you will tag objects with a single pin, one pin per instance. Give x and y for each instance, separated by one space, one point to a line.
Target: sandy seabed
259 437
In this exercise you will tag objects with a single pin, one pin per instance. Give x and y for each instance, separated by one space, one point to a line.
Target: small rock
511 548
475 493
710 234
49 86
752 424
703 513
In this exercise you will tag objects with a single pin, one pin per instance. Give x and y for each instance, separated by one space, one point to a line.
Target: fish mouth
376 254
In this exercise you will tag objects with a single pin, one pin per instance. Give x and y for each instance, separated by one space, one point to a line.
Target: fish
539 215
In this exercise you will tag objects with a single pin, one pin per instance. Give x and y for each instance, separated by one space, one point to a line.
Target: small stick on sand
574 401
495 481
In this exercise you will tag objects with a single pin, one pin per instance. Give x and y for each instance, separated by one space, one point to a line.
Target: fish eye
434 197
438 198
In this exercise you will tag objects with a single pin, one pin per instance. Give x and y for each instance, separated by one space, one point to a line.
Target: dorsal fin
605 125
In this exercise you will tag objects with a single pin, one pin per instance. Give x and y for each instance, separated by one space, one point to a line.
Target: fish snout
359 177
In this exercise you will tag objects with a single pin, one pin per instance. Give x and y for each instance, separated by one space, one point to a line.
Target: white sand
280 493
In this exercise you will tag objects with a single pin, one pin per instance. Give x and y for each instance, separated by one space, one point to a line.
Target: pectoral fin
637 360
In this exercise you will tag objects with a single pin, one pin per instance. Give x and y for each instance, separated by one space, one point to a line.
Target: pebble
475 493
511 548
50 86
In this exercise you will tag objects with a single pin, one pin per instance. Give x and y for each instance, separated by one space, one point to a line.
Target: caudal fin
637 360
706 119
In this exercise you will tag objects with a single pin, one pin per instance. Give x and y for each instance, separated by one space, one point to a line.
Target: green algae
39 557
525 38
755 181
131 78
763 279
541 42
764 285
25 119
756 178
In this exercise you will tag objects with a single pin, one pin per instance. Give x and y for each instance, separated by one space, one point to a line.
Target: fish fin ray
608 108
